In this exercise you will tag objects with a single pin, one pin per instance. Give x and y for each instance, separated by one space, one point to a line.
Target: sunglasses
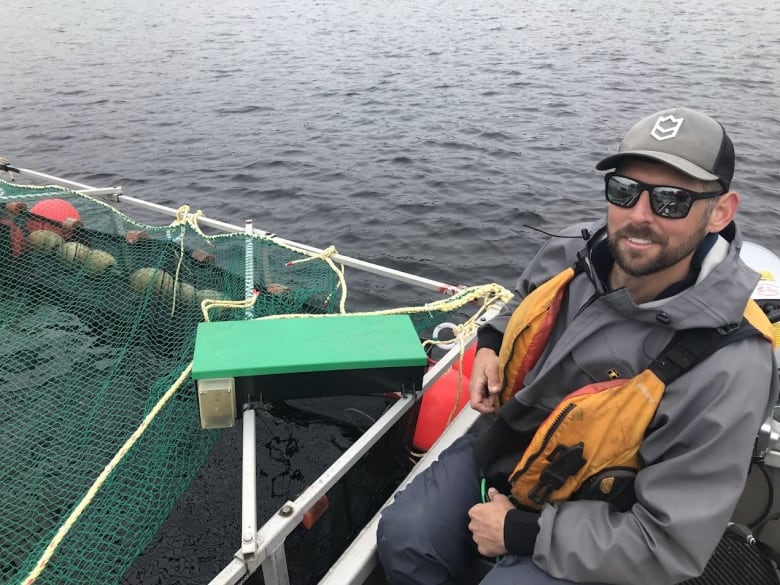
665 201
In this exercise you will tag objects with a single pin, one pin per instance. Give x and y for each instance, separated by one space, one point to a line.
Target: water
420 134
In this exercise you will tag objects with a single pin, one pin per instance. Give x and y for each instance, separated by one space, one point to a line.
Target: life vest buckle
564 462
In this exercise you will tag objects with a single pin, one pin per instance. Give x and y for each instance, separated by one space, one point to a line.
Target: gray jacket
698 448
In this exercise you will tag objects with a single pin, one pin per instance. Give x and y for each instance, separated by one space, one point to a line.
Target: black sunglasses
665 201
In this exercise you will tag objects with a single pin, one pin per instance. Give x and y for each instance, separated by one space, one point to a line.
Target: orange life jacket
599 427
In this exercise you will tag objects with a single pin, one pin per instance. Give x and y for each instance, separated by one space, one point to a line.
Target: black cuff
489 337
520 530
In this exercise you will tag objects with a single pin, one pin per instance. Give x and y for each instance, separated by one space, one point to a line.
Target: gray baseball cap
682 138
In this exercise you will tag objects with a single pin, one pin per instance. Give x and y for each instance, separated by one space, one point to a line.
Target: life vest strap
564 462
692 346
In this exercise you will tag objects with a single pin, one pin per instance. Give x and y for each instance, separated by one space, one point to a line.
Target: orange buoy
438 408
468 360
56 215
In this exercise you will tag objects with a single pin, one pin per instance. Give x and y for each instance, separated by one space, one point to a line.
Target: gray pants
423 536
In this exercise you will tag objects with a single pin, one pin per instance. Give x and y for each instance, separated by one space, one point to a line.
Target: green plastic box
305 357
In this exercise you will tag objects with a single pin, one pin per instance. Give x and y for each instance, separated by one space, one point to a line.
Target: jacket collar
713 295
601 260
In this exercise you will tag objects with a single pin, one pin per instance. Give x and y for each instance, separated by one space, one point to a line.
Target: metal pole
441 287
248 488
275 568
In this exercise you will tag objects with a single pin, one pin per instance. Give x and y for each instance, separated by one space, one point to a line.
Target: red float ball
58 212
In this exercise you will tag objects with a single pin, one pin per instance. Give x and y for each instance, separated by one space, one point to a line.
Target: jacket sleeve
697 457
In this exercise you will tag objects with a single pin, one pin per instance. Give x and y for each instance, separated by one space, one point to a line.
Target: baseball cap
682 138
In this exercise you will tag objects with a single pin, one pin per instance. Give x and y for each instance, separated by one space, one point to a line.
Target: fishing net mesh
98 320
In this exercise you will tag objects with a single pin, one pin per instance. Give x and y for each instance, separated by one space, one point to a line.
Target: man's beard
636 264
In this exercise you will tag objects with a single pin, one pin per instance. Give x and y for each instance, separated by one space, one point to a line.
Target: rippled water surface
419 134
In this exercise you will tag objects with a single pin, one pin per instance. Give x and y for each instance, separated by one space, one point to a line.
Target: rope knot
328 252
184 218
325 256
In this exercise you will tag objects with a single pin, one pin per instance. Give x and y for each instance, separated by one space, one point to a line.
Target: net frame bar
377 269
272 535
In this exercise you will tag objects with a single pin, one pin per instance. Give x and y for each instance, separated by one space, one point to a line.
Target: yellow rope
90 495
184 218
326 257
176 276
492 293
463 296
454 410
207 304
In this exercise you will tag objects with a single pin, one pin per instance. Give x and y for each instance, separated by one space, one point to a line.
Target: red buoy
62 217
436 408
468 360
15 234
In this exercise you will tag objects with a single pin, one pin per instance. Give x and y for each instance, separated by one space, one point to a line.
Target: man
666 260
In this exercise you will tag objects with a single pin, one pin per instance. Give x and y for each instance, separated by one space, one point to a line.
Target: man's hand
484 386
487 524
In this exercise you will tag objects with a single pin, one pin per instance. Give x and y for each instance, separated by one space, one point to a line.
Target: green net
98 320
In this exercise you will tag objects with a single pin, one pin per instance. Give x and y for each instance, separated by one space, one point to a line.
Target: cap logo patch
666 127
